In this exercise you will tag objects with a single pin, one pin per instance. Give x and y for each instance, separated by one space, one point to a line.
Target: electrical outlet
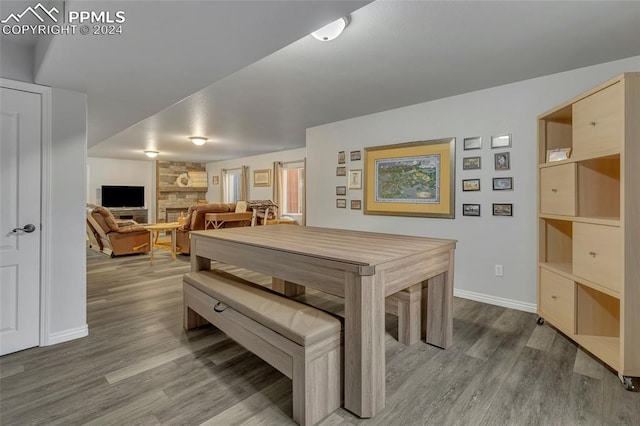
499 271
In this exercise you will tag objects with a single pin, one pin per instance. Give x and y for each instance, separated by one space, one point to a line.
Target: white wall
16 61
106 171
256 162
482 241
67 255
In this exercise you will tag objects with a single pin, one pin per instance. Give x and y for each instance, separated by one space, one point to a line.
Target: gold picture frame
411 179
262 177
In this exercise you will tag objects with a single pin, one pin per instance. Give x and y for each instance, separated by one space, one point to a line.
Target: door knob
28 228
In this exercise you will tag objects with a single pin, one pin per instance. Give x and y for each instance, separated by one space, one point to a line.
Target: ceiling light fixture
198 140
151 154
331 31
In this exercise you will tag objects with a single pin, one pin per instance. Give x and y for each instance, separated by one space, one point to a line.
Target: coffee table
155 228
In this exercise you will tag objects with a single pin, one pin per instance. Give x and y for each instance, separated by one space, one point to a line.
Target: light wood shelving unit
589 223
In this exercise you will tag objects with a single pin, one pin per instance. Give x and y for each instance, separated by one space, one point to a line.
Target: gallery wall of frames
350 167
501 179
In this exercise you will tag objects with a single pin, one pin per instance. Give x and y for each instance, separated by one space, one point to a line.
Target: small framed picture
341 190
341 203
502 141
356 205
471 163
355 179
502 160
472 143
341 171
503 184
262 177
355 155
341 157
558 154
503 209
215 180
471 210
471 184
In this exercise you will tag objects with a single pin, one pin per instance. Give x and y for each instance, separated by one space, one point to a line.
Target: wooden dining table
362 267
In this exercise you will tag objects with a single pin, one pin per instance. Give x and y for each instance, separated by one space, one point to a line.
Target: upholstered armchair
194 221
117 238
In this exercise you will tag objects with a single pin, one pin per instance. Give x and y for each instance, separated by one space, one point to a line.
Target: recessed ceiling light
151 154
332 30
198 140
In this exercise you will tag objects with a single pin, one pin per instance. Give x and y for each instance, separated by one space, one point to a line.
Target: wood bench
417 308
302 342
412 308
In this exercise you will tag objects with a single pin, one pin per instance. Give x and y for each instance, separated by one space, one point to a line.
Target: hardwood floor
138 366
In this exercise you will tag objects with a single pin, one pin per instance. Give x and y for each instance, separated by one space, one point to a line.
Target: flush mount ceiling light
198 140
151 154
331 31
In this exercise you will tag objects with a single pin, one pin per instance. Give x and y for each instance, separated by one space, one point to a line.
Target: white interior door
20 160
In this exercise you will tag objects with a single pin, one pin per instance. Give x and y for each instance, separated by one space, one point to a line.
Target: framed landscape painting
471 209
411 179
471 163
502 209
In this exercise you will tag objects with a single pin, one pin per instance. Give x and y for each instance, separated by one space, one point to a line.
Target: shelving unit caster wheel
627 382
540 321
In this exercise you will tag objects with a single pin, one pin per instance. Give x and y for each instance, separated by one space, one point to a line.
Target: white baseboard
66 335
498 301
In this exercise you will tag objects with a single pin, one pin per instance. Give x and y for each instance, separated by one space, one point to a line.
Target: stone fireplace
171 198
173 213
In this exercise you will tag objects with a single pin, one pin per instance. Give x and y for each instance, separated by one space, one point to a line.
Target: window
234 185
292 188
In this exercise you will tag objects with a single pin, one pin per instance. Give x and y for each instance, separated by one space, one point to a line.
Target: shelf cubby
599 188
555 131
557 249
598 323
598 314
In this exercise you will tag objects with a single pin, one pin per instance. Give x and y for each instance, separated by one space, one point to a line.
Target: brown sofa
194 221
115 237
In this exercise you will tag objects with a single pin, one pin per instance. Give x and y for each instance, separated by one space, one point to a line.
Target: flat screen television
122 196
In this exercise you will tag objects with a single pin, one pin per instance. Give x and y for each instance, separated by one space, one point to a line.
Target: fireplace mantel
183 189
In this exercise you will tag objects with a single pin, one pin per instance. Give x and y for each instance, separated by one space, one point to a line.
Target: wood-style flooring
138 367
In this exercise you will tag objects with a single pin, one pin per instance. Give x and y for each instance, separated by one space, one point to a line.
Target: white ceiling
168 51
260 99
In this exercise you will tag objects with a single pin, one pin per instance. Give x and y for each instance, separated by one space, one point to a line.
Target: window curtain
244 184
304 193
224 191
277 187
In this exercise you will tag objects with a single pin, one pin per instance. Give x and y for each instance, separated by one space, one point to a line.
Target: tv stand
138 214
